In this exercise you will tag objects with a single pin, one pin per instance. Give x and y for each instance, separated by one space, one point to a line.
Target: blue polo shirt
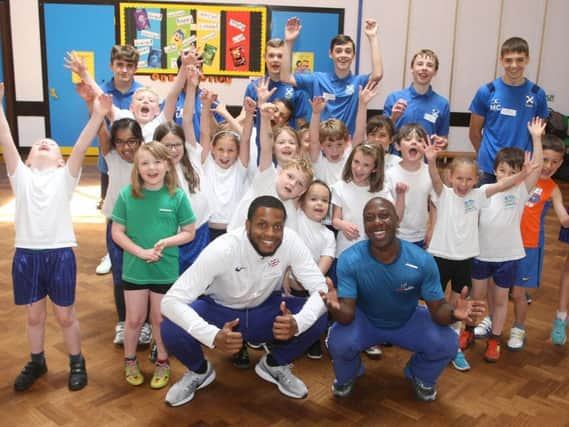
430 110
506 111
345 92
283 91
120 100
388 293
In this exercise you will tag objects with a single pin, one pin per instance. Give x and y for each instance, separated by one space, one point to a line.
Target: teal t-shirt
155 216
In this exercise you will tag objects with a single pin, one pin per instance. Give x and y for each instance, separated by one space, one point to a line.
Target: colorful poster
303 62
231 39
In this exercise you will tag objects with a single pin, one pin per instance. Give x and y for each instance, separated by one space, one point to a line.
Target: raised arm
370 30
192 81
207 98
475 130
292 31
266 136
102 105
318 104
529 167
9 150
536 129
431 151
76 64
367 93
174 93
249 106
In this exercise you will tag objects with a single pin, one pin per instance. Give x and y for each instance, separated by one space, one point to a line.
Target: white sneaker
104 266
145 337
185 389
517 339
285 380
484 328
119 334
373 352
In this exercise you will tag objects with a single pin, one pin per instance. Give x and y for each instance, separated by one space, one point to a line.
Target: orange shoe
492 353
466 339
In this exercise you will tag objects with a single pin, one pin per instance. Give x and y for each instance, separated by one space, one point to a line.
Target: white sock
562 315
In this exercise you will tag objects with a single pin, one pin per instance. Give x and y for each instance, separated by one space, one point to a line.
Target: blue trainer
559 332
460 363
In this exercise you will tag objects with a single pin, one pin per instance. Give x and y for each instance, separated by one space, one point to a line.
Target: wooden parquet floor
527 388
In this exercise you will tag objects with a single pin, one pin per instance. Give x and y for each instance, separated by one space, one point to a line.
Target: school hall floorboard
527 388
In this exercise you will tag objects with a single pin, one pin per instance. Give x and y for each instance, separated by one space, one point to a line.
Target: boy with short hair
494 270
145 105
545 194
44 262
503 107
419 103
339 88
287 184
329 144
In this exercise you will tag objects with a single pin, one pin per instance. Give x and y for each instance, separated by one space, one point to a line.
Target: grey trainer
288 384
185 389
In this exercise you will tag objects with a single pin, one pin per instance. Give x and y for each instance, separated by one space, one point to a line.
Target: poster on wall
303 62
230 38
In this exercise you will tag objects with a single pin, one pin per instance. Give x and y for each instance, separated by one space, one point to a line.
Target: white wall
466 34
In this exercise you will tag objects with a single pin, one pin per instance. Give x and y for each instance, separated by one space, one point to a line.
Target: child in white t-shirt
319 239
494 270
415 227
225 159
44 263
329 144
455 237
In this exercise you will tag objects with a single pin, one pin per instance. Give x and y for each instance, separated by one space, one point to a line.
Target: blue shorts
564 234
38 273
530 268
504 273
116 254
190 251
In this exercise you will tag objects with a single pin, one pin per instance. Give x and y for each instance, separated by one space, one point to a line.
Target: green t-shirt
155 216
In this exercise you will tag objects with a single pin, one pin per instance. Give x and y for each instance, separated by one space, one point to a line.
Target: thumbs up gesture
284 326
227 340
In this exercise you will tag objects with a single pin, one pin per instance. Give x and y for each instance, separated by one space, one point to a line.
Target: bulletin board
232 38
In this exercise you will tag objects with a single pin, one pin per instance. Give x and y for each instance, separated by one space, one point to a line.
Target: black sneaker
315 351
529 298
422 391
77 375
241 358
31 372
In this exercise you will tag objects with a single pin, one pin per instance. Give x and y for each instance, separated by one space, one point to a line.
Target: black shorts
458 272
157 289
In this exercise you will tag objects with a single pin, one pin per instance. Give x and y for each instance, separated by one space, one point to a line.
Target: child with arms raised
494 270
225 158
44 262
455 236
